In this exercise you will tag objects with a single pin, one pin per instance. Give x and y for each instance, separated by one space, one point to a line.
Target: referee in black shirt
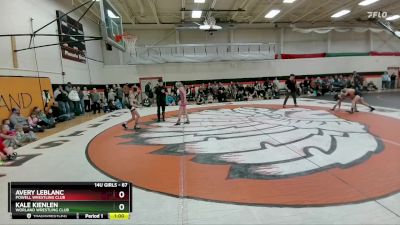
290 89
161 93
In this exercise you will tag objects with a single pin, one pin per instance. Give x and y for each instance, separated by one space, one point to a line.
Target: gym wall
22 92
15 18
233 70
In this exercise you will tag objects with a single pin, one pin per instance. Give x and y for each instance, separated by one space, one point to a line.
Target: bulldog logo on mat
264 143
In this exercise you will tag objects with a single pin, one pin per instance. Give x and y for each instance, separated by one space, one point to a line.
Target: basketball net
129 40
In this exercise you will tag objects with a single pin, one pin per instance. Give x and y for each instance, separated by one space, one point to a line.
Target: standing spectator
86 99
290 89
188 93
357 81
46 98
119 92
81 100
193 91
276 83
59 96
173 90
126 93
68 89
385 80
106 91
111 95
306 86
215 90
392 81
148 90
95 98
73 96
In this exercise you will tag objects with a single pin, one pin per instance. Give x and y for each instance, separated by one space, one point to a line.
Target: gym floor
235 163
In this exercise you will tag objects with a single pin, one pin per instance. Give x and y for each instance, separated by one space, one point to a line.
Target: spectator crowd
72 101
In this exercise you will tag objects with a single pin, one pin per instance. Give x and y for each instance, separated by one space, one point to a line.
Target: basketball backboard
112 24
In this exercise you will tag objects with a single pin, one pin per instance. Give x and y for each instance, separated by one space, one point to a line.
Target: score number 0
121 195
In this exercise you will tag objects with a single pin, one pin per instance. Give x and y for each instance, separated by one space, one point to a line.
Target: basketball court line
391 142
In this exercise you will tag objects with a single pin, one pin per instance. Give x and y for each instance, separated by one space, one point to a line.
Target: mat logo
260 143
377 14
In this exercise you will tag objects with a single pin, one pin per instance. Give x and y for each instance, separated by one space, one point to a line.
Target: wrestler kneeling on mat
355 97
132 104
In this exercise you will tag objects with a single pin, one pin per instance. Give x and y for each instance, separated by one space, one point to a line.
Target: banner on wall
24 93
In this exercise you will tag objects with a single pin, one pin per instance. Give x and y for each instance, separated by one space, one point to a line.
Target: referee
161 93
290 90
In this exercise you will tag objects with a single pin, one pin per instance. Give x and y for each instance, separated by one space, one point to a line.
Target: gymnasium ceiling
308 13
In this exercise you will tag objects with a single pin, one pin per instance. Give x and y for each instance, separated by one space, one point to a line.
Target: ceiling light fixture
367 2
199 1
196 14
394 17
341 13
111 14
288 1
272 13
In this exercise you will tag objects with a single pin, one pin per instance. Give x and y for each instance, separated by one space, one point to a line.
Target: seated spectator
201 99
7 122
221 93
6 153
104 106
35 123
111 105
146 102
17 119
306 86
9 137
210 98
46 122
24 137
275 91
118 104
171 99
57 114
369 86
240 93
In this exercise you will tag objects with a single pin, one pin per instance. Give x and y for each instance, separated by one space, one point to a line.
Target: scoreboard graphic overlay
73 200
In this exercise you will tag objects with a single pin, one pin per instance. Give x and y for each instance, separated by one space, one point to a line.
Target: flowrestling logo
377 14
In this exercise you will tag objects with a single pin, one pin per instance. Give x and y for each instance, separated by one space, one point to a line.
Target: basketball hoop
129 40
